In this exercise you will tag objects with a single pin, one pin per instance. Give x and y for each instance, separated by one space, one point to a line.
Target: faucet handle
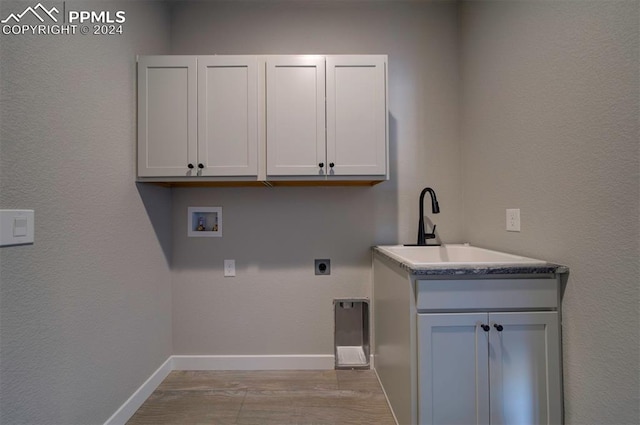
431 235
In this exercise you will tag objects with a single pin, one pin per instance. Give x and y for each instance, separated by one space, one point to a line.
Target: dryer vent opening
352 348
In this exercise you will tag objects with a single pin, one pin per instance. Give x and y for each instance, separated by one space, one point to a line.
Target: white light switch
16 227
20 226
229 268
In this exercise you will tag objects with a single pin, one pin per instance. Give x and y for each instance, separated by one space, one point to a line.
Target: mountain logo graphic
33 11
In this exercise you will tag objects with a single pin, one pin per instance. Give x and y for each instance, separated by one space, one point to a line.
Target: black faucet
435 208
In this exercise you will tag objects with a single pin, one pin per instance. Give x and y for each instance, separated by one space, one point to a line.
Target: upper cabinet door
295 116
228 115
357 115
167 116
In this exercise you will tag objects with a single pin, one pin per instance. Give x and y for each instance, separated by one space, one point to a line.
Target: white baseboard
395 418
268 362
126 411
271 362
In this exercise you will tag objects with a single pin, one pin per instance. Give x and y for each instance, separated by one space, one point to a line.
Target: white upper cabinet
228 115
327 116
197 116
167 106
295 116
262 118
356 115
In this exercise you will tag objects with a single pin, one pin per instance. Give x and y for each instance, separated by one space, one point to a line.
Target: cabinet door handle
321 165
190 166
200 166
485 328
331 164
499 328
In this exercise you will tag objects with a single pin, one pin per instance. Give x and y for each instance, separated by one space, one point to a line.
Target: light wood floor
324 397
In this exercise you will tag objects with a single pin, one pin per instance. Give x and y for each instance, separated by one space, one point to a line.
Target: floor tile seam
372 389
362 419
200 390
319 392
344 405
342 402
241 406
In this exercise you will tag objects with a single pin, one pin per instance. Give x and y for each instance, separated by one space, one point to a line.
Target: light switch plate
16 227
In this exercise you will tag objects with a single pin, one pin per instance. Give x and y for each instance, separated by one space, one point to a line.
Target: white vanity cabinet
197 116
327 117
475 376
488 351
469 345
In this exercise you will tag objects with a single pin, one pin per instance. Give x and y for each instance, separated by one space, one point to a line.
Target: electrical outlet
229 268
323 267
513 220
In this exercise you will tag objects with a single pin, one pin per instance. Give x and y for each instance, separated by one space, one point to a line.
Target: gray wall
550 113
548 123
276 305
85 312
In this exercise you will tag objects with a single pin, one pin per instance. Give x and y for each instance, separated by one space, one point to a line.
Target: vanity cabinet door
453 369
509 374
356 115
228 115
525 372
167 116
295 91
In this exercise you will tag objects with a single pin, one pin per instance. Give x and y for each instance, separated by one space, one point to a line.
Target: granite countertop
473 269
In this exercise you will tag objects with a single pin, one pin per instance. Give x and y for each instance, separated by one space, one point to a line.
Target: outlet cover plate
229 268
513 220
323 267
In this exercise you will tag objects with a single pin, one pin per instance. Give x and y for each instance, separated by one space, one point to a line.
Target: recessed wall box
352 347
204 222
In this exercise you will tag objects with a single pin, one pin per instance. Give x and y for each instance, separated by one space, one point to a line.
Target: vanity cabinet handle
485 328
331 164
190 166
200 166
321 165
499 328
